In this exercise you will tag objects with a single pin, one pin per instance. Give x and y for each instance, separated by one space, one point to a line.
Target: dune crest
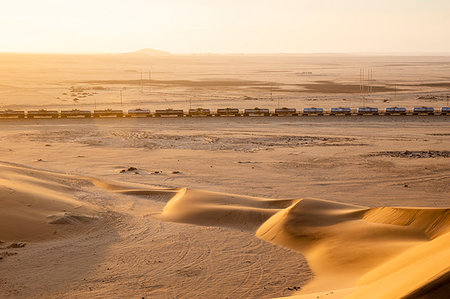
221 209
354 251
350 248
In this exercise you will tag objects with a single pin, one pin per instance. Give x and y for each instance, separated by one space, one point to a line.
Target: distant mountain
148 51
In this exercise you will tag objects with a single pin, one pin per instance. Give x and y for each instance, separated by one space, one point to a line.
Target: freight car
108 113
12 114
367 111
341 111
256 112
395 111
423 111
75 113
199 112
312 111
169 113
285 112
228 112
139 113
42 113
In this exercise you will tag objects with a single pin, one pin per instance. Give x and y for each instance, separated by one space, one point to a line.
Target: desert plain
224 207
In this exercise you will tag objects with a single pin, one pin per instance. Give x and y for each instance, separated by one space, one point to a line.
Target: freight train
278 112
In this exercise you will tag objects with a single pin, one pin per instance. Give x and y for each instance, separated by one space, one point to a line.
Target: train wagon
108 113
228 112
139 113
169 113
199 112
395 111
285 112
12 114
42 113
423 111
445 111
75 113
257 112
312 111
367 111
341 111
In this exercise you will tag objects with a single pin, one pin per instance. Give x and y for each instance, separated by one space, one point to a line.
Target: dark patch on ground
316 87
414 154
188 83
333 87
428 84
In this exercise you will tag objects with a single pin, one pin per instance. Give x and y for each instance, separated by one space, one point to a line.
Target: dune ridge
108 243
354 251
32 199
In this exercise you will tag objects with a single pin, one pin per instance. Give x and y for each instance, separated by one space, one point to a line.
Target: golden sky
231 26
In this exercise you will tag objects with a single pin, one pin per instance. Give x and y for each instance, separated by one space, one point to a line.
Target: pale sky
226 26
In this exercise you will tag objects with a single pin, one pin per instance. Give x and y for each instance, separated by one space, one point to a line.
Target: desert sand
217 81
303 207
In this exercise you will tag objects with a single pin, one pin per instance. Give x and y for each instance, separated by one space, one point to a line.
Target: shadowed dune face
366 251
419 272
109 243
432 222
349 240
31 200
341 242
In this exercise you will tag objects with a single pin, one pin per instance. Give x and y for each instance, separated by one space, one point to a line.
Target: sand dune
342 242
31 200
346 245
134 234
354 251
219 209
110 244
420 271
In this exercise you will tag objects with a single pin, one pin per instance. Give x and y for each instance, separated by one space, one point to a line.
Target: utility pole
150 80
142 83
395 92
361 85
360 80
371 80
121 102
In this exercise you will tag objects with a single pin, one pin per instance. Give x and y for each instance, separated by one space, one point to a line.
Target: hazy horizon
232 27
386 53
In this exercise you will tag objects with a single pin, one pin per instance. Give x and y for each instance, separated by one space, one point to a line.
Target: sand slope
221 209
355 249
410 273
109 244
32 200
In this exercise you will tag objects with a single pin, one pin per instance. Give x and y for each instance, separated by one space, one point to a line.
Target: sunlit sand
292 149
